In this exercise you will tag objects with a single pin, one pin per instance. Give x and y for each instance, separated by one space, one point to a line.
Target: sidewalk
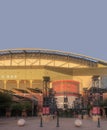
64 124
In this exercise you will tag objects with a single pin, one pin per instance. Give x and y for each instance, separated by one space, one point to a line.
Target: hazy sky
78 26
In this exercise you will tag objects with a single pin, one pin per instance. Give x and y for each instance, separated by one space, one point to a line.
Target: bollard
57 121
98 122
82 116
41 122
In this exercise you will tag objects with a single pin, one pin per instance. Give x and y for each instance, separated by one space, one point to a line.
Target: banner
46 110
96 110
66 86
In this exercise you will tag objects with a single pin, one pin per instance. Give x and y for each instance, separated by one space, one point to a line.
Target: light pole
46 81
52 101
95 97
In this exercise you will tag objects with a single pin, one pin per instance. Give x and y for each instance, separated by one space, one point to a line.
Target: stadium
67 73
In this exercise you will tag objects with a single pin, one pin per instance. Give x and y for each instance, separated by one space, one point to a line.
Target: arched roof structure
65 62
44 57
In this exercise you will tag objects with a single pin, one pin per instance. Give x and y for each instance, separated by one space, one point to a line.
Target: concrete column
30 83
18 83
5 82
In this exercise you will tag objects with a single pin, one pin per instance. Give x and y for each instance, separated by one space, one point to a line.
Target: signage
46 110
96 110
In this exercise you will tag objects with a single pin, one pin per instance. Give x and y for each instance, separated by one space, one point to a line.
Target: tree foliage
5 100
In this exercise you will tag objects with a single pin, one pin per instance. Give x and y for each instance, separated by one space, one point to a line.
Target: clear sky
78 26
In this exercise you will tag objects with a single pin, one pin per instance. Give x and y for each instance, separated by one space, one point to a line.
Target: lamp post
46 81
95 97
78 107
52 101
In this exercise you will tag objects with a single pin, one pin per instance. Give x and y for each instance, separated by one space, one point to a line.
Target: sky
77 26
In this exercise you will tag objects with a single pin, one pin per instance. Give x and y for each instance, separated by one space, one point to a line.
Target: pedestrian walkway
34 123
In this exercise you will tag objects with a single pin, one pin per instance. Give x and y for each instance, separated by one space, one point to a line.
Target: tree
5 100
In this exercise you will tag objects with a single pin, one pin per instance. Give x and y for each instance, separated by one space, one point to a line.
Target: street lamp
79 106
95 97
52 101
46 81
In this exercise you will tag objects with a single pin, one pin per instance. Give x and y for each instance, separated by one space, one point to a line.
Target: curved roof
50 57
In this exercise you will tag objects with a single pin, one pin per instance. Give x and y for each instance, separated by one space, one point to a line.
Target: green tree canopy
5 100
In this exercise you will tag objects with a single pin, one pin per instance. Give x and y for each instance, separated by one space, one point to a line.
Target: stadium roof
49 59
46 51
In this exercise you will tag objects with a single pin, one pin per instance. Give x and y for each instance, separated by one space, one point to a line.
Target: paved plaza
34 123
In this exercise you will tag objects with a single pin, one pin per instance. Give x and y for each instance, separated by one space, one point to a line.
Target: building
25 68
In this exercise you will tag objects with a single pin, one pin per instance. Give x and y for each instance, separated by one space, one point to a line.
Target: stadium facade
25 68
